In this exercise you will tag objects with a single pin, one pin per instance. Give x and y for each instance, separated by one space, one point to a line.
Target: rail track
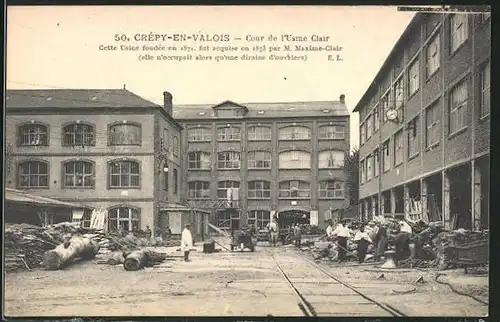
346 295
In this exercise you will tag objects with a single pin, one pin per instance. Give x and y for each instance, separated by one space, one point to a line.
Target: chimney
342 98
167 103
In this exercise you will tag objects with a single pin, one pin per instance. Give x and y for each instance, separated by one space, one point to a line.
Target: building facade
99 148
267 159
425 124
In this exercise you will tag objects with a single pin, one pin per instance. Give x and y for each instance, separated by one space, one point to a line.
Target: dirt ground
227 284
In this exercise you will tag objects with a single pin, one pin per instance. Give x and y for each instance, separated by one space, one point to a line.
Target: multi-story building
109 149
282 159
425 124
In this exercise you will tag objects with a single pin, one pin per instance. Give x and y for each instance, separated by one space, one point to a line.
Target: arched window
228 160
125 217
295 133
199 190
125 134
200 134
331 189
330 159
79 174
33 135
124 174
33 174
259 133
295 189
199 160
259 218
295 160
222 187
331 132
259 189
229 133
259 160
78 134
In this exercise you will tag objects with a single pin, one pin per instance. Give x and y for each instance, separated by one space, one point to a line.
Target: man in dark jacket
297 233
380 241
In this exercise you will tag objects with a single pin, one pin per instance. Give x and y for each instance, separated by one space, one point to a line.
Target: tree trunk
139 259
66 252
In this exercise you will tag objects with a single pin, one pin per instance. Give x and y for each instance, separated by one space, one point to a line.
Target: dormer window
201 113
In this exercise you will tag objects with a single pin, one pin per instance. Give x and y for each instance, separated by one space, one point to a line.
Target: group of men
372 235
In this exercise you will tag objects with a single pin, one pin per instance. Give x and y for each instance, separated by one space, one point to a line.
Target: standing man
363 240
329 230
380 241
298 235
402 241
342 233
186 242
273 232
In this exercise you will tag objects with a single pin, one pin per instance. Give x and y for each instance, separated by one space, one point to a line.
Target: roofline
258 118
210 105
416 19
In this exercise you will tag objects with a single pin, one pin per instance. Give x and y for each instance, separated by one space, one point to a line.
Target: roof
399 44
18 196
265 110
68 98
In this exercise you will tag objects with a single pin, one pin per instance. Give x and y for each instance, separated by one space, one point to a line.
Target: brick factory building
281 159
425 124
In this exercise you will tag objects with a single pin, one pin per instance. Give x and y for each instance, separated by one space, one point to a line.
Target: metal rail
307 307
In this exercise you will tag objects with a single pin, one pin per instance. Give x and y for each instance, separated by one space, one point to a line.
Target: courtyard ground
237 284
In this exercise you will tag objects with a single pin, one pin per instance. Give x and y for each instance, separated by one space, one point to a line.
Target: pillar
374 206
445 210
382 204
365 215
406 200
360 209
476 195
393 201
423 198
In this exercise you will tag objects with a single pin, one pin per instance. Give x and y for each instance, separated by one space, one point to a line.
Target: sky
58 47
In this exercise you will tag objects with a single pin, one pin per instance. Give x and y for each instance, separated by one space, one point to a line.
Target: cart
472 254
241 237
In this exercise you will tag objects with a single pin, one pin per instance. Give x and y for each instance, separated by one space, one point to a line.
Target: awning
17 196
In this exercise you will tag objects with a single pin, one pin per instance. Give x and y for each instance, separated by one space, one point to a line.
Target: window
398 148
369 126
331 189
331 132
259 189
33 135
414 76
362 171
294 189
413 138
125 134
86 218
330 159
485 90
164 140
259 133
295 133
230 133
362 133
376 163
458 107
223 186
259 160
79 174
399 93
259 218
386 155
124 174
165 181
176 182
201 134
175 145
199 160
223 219
369 167
458 30
228 160
385 105
433 57
127 218
79 135
199 190
33 174
432 134
376 118
294 160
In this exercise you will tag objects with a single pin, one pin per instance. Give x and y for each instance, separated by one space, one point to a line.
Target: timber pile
140 259
65 253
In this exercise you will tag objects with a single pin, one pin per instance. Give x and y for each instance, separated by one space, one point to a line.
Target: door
175 222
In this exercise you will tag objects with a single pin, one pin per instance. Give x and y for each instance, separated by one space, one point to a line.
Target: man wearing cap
186 242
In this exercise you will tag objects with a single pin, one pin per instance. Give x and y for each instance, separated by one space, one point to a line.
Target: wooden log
66 252
135 260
